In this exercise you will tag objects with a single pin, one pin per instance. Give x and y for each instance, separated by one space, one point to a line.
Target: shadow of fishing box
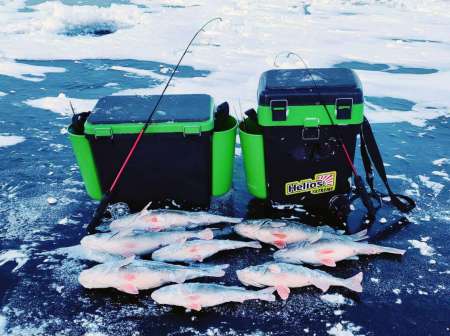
291 147
185 156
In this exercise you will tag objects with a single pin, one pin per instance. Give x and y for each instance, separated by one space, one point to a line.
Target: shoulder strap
371 153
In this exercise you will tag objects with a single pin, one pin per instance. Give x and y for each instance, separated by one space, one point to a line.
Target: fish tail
358 236
253 244
392 250
354 283
266 294
216 271
206 234
233 220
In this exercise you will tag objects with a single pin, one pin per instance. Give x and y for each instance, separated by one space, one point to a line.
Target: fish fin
217 271
206 234
128 260
358 236
254 244
328 262
147 206
283 292
316 237
274 268
352 258
266 294
198 258
194 306
179 279
280 243
122 233
322 285
279 235
354 283
129 288
277 224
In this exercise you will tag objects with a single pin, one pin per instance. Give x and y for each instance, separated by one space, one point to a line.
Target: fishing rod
107 197
359 184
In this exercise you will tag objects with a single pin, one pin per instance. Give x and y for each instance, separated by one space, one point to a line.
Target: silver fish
285 276
130 275
128 243
282 233
198 250
160 220
327 252
199 295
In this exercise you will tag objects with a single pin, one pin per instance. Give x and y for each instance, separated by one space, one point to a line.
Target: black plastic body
166 168
289 158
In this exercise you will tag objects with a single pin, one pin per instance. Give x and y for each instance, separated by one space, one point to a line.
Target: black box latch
279 109
344 108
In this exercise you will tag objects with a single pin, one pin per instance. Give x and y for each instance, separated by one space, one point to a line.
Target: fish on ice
131 275
329 251
281 233
128 243
198 250
161 220
284 276
196 296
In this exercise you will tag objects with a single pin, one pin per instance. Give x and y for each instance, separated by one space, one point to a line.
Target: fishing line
108 195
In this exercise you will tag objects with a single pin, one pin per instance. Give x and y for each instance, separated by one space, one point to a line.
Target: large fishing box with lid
185 156
291 144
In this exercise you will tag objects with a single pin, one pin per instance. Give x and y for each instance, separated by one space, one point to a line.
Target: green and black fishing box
185 156
291 147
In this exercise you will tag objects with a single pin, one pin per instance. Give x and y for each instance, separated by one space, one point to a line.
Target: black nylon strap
370 152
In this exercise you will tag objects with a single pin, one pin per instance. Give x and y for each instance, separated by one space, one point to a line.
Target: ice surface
61 104
10 140
246 43
20 257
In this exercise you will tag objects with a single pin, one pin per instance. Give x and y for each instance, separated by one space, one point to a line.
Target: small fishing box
185 156
291 147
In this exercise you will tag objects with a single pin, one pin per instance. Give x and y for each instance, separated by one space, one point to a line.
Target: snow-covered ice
10 140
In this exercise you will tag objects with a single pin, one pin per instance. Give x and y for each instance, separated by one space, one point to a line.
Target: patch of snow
10 140
3 323
441 162
400 157
375 280
336 299
435 186
61 104
20 257
344 329
398 301
51 200
396 291
424 248
2 94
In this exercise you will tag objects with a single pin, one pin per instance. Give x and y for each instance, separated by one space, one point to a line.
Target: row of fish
163 233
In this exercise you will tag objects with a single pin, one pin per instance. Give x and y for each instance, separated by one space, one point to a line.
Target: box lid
297 87
189 113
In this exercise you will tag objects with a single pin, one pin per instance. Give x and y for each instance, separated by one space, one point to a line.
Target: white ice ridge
33 73
61 104
247 41
10 140
18 256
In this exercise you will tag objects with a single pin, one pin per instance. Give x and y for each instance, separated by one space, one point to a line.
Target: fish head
122 222
93 278
249 276
95 241
249 228
166 295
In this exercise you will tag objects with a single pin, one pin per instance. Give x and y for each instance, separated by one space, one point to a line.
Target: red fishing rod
107 197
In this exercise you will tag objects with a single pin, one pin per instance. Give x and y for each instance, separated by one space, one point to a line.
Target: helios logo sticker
322 183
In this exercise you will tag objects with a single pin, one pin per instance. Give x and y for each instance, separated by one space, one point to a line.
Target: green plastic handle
85 160
223 145
253 153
